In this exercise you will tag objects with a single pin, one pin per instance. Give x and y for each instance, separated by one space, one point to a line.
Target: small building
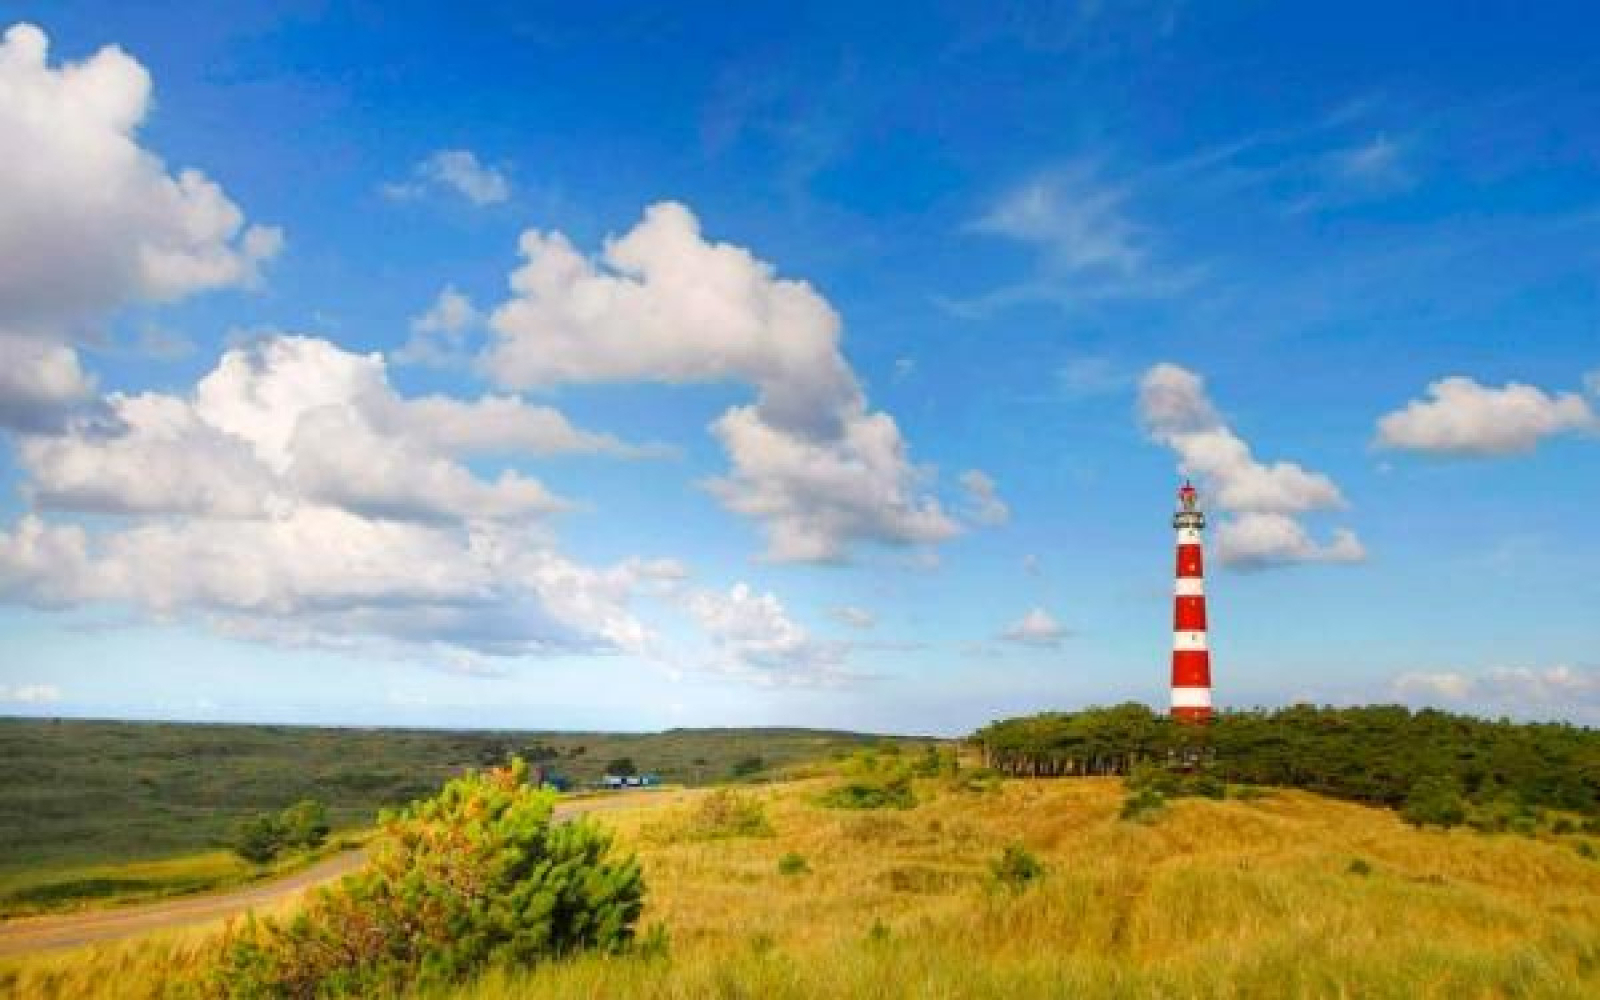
630 781
543 777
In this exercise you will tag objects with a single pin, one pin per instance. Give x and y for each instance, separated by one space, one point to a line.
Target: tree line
1374 754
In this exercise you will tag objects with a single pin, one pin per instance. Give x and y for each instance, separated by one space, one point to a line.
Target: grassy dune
1215 899
1253 898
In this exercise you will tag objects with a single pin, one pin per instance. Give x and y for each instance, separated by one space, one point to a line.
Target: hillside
80 791
1288 894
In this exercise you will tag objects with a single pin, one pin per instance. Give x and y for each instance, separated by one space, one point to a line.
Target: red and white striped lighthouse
1191 658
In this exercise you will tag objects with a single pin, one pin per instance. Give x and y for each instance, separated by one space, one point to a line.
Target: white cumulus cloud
319 575
91 221
1444 684
439 334
756 639
155 455
42 383
295 496
287 419
1264 500
810 461
1036 628
983 499
815 497
1531 692
1257 539
456 170
1464 417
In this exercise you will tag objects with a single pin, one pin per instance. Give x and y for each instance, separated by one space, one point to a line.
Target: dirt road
71 930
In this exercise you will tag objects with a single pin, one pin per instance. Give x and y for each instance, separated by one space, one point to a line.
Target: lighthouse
1191 657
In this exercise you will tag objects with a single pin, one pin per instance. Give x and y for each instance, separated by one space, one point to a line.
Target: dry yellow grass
1215 899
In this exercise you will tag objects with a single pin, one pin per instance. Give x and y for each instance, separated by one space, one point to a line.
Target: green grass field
79 793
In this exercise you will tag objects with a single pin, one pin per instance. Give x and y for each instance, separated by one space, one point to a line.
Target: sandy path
71 930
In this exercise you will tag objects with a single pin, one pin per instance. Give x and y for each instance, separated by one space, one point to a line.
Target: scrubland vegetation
1022 888
100 811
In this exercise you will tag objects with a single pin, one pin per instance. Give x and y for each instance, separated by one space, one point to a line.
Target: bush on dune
873 781
260 839
1435 801
727 813
1150 786
479 876
889 793
1016 868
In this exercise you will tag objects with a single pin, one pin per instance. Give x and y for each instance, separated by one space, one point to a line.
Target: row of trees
1373 754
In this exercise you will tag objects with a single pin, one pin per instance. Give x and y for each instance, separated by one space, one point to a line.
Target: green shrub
304 824
1016 868
1493 814
257 839
792 864
1143 805
622 767
762 943
727 813
477 876
260 839
1359 866
977 780
1435 801
873 782
1158 778
1150 786
745 767
1563 826
894 792
1205 785
1172 783
935 762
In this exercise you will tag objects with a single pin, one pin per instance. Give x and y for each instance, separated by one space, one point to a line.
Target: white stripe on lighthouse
1188 536
1190 586
1191 697
1188 641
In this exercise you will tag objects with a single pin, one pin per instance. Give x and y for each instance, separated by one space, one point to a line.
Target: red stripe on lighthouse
1191 668
1189 615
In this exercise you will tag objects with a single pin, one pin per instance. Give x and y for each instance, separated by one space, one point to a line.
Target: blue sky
655 366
